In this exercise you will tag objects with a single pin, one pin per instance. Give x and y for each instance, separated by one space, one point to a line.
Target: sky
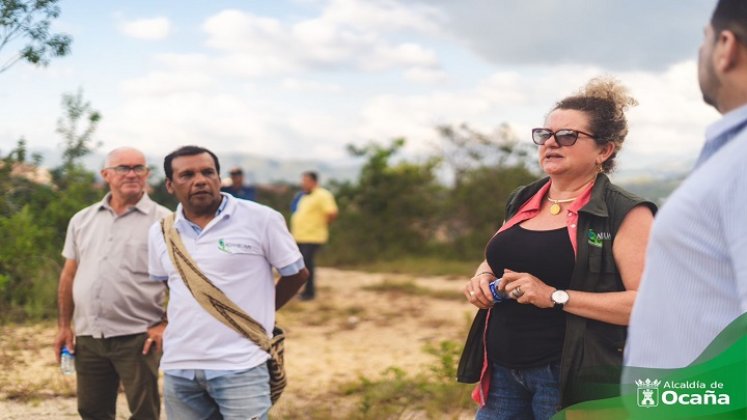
300 79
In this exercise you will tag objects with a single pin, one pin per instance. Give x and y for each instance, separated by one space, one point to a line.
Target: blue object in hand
67 362
497 295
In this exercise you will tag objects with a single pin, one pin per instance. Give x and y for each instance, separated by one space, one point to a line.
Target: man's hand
65 337
66 306
155 337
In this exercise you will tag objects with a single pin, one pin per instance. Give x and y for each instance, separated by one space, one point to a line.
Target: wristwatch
559 299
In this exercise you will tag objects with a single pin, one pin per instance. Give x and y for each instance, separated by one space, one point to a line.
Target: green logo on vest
594 238
222 246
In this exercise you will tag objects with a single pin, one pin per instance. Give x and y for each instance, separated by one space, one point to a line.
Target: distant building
31 172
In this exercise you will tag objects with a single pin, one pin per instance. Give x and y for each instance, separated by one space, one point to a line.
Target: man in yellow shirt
313 210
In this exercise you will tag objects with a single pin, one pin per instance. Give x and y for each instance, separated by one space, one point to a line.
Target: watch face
560 297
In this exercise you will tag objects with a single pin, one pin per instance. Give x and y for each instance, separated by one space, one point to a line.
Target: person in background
570 257
312 212
110 315
695 282
237 187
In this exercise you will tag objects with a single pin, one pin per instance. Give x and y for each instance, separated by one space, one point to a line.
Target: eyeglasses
124 169
564 137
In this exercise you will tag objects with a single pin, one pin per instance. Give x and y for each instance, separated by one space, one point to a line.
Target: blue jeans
532 393
241 395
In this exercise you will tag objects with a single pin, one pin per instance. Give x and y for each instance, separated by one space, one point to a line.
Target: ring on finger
471 292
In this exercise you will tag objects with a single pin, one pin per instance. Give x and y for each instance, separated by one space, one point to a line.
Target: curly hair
604 100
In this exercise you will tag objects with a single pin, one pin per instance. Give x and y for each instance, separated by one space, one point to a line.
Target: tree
389 212
31 20
76 126
464 148
485 169
34 217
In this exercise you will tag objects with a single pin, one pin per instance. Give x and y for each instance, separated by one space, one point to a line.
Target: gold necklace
555 208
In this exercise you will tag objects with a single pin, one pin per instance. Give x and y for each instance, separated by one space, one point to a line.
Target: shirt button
573 226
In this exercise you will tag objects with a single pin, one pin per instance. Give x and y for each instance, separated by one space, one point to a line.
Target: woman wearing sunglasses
567 262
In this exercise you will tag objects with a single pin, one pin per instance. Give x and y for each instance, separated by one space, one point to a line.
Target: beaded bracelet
484 272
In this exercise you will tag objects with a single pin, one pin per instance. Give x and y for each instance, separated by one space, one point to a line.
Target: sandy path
347 332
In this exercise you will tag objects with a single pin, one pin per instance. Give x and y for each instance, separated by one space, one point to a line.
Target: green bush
435 394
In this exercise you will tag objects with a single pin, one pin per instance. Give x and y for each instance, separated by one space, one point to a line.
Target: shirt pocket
135 257
601 260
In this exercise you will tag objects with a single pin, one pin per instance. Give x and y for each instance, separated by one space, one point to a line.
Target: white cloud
300 85
193 97
425 75
166 83
179 107
341 37
149 29
385 14
669 121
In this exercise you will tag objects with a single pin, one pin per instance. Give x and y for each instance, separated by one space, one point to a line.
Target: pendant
555 209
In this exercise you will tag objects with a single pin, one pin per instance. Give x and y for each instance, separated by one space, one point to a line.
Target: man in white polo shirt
211 371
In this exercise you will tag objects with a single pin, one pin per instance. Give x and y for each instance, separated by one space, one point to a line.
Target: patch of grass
410 287
434 394
317 312
420 266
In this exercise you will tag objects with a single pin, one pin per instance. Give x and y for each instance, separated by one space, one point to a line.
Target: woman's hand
526 289
477 290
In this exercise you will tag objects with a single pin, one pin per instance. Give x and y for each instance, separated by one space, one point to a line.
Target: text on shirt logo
230 247
595 239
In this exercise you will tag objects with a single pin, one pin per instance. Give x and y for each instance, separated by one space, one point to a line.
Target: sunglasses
564 137
124 169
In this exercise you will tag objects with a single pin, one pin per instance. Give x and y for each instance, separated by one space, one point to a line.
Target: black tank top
523 335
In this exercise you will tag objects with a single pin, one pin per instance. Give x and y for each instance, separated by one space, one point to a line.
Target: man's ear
726 51
169 187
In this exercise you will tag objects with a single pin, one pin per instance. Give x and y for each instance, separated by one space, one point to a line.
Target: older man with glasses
111 315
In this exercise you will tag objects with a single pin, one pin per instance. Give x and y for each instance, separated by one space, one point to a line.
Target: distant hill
656 190
257 169
648 175
652 176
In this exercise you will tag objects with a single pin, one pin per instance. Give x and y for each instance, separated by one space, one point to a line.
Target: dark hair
731 15
604 101
186 151
236 171
311 174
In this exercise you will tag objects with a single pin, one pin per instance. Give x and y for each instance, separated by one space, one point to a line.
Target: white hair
118 150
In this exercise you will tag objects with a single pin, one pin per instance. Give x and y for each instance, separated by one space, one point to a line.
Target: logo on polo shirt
595 239
233 247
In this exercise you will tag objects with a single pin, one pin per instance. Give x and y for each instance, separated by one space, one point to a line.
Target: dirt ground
347 333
